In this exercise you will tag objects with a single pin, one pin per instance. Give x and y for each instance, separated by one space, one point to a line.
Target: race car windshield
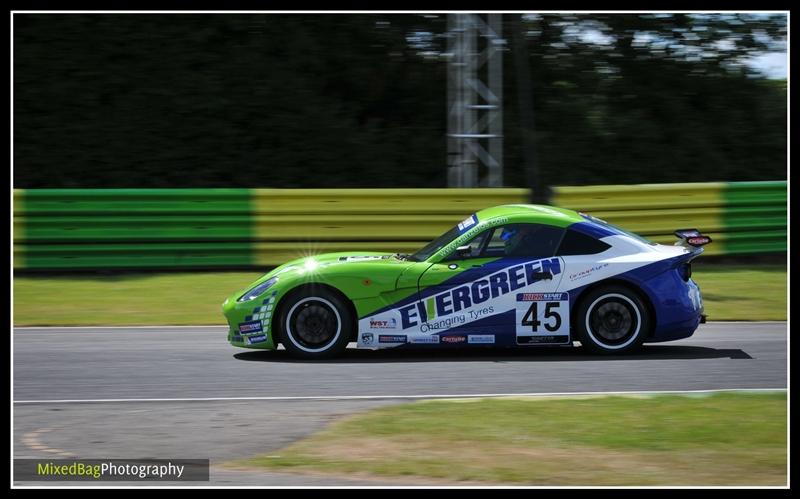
616 229
435 245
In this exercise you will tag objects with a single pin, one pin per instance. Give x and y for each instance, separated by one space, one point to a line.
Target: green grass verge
719 439
126 299
740 293
730 293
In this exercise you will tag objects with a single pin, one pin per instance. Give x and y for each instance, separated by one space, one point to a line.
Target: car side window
476 245
523 240
575 243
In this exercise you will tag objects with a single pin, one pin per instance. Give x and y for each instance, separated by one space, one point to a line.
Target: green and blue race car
507 276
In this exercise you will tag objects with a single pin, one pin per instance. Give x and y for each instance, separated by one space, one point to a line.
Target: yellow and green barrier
215 228
218 228
131 228
756 218
741 217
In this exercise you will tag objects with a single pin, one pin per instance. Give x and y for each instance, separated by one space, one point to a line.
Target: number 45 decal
551 311
542 319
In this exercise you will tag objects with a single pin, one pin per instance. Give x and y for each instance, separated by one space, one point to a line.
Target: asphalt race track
183 392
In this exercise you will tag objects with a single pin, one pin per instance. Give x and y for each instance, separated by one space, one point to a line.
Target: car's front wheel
315 323
612 320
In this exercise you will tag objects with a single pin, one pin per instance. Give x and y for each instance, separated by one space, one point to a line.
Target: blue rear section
677 303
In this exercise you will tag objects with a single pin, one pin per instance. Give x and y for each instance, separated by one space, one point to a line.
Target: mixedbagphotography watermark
192 470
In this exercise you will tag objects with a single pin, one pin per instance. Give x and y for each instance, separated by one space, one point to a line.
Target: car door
502 291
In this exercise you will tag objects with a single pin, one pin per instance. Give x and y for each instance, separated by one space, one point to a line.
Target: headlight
257 290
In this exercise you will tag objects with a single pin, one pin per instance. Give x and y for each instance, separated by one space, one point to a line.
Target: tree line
292 101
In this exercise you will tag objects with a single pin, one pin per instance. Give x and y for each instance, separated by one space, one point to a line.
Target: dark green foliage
352 101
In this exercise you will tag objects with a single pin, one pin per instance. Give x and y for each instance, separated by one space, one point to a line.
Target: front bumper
250 322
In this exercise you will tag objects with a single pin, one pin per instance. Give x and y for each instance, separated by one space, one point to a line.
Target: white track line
385 397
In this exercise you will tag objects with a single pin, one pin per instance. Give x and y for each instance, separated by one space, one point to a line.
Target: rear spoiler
691 237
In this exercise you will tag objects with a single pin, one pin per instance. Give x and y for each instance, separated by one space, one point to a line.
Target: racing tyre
315 323
612 320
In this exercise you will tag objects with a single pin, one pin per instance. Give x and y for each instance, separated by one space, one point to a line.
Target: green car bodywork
369 280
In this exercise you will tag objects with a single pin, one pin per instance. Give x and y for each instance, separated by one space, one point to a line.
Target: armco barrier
217 228
755 219
131 228
740 217
210 228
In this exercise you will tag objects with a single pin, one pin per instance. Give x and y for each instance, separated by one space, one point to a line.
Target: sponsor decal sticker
539 340
587 272
367 338
454 339
469 295
383 324
392 338
250 327
542 296
256 339
467 234
519 289
542 318
424 339
466 224
480 338
699 240
443 324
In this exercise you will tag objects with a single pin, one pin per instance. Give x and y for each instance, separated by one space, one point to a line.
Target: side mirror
464 251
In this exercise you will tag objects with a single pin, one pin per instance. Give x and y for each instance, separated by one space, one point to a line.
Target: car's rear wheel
315 324
612 320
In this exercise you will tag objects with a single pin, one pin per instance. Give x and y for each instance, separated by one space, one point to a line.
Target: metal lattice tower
475 100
